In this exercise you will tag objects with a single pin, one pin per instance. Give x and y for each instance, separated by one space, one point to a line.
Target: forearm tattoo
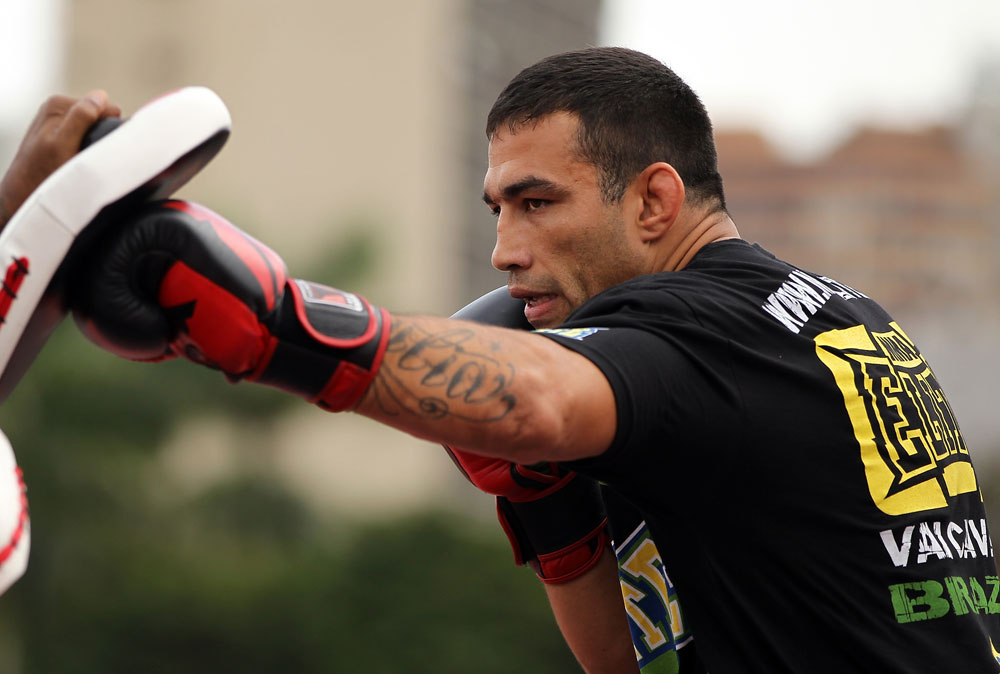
443 374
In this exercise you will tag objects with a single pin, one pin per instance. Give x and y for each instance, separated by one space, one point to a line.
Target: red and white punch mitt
148 156
15 534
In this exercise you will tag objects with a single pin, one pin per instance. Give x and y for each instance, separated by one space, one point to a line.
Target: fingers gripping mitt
553 517
180 280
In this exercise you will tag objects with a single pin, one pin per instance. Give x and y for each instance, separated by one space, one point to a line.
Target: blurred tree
346 264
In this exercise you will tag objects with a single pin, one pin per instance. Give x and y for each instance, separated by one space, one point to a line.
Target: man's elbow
549 433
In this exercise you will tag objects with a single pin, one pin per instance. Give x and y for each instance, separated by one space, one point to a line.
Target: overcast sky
30 56
805 72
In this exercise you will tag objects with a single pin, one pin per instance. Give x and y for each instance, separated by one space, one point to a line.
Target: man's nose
510 251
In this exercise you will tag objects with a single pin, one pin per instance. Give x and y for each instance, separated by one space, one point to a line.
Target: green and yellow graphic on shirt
651 604
913 453
931 599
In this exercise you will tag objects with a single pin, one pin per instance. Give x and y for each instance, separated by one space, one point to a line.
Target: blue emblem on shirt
573 333
654 614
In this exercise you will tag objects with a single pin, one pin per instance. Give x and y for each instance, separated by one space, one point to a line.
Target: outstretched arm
489 390
180 280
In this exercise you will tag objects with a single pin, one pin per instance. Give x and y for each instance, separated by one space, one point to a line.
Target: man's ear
662 193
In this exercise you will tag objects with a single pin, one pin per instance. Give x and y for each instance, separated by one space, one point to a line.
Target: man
774 426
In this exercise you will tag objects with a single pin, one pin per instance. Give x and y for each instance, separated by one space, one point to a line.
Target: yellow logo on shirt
913 452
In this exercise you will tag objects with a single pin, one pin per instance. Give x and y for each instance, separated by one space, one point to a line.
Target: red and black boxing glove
179 279
553 517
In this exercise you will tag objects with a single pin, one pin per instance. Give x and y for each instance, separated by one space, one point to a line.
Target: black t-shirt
798 465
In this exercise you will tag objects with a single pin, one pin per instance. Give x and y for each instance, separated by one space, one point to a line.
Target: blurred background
184 524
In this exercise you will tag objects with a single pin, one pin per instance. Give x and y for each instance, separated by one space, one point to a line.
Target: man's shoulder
719 269
726 282
661 294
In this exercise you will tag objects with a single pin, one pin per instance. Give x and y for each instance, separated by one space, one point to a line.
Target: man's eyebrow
530 182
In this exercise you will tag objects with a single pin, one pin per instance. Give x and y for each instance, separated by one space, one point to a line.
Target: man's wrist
11 198
5 213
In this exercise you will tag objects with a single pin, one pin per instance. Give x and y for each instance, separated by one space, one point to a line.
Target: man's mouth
535 300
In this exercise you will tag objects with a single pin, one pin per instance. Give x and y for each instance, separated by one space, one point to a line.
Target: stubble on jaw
607 260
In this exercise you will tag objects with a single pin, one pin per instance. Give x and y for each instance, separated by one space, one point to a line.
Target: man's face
557 239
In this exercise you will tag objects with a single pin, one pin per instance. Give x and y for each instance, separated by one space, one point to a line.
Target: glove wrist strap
327 345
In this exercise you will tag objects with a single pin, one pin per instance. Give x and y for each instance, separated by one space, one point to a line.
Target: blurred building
905 217
909 218
342 119
349 120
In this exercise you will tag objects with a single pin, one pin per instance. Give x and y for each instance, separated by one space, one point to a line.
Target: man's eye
495 210
534 204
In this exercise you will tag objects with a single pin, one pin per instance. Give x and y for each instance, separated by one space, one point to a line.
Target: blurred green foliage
347 264
243 576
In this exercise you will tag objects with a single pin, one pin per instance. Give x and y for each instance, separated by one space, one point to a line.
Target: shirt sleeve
673 388
613 350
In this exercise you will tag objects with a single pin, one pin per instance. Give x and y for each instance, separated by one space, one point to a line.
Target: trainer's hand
52 138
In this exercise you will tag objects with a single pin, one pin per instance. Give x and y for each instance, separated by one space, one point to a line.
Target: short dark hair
634 111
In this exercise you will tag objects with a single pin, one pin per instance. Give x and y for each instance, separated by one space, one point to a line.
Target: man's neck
716 226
